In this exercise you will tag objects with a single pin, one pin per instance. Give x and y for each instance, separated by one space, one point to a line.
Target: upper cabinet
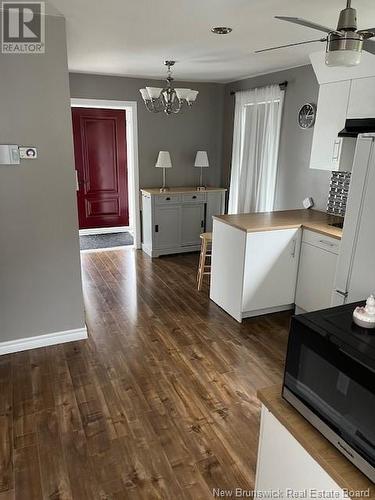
330 119
344 92
362 98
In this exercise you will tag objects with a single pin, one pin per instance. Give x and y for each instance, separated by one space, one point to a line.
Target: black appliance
330 379
356 126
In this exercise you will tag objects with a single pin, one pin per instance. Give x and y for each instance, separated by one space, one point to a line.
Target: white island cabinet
254 272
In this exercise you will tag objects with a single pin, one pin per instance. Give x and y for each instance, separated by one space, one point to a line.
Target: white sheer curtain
256 138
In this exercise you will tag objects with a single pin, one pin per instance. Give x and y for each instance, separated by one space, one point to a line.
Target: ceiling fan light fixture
344 50
343 58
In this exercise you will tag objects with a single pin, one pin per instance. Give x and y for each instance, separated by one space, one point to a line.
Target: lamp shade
154 92
201 159
192 96
182 93
164 160
145 94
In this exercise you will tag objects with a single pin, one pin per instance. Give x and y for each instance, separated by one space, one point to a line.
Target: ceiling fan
344 44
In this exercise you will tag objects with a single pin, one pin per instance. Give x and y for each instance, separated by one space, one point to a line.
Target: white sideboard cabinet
173 221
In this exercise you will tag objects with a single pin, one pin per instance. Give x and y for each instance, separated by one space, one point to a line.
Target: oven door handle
354 358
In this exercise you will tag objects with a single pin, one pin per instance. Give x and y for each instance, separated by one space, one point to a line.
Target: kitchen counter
286 219
343 472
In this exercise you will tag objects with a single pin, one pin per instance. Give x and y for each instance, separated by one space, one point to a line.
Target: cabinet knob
194 197
168 198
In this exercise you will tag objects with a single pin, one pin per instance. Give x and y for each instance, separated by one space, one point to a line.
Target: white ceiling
134 37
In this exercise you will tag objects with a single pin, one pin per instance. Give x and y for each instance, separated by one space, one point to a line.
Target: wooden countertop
180 190
286 219
343 472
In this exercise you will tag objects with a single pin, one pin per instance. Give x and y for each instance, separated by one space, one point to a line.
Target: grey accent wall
295 179
40 280
199 128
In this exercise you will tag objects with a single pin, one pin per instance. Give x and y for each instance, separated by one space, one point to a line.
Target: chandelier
168 99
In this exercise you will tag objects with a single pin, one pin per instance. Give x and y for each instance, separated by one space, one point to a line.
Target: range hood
354 127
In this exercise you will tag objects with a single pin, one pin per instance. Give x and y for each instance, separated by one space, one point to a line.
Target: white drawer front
321 241
164 199
194 197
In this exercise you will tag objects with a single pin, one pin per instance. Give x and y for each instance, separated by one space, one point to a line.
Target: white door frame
130 108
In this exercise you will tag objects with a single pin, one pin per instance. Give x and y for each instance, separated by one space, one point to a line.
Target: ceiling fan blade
369 46
290 45
304 22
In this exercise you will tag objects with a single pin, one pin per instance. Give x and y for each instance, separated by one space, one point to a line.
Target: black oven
330 379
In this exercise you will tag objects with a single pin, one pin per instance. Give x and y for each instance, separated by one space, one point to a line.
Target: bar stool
206 252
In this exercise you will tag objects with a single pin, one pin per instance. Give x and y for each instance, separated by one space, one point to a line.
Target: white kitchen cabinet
253 273
362 98
317 270
330 120
173 221
271 266
284 465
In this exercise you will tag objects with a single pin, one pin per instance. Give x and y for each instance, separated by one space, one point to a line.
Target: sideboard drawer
165 198
194 197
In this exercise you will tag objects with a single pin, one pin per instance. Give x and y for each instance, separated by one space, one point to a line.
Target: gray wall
295 180
40 281
199 128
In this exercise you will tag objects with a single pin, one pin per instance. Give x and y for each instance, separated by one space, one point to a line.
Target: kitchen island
255 258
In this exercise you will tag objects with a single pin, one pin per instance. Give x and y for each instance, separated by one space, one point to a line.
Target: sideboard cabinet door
192 224
167 226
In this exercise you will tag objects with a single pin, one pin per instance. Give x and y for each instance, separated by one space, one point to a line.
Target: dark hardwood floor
159 403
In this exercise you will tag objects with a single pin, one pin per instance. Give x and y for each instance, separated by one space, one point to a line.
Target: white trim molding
48 339
130 108
105 230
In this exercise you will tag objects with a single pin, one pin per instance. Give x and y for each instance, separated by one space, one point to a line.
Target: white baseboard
268 310
105 230
169 251
42 340
108 249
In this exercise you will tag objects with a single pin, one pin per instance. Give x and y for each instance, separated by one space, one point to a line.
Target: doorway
108 196
101 168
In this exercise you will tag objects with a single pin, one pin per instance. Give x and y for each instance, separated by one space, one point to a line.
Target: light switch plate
28 153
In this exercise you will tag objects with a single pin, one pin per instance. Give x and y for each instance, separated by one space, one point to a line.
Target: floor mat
97 241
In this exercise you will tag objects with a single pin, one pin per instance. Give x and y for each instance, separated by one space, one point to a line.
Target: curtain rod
282 85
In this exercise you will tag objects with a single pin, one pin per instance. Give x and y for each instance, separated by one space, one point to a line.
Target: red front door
101 164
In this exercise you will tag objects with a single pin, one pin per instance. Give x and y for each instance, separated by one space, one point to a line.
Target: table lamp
201 161
164 161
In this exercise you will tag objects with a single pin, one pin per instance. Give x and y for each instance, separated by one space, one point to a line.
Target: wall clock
307 115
